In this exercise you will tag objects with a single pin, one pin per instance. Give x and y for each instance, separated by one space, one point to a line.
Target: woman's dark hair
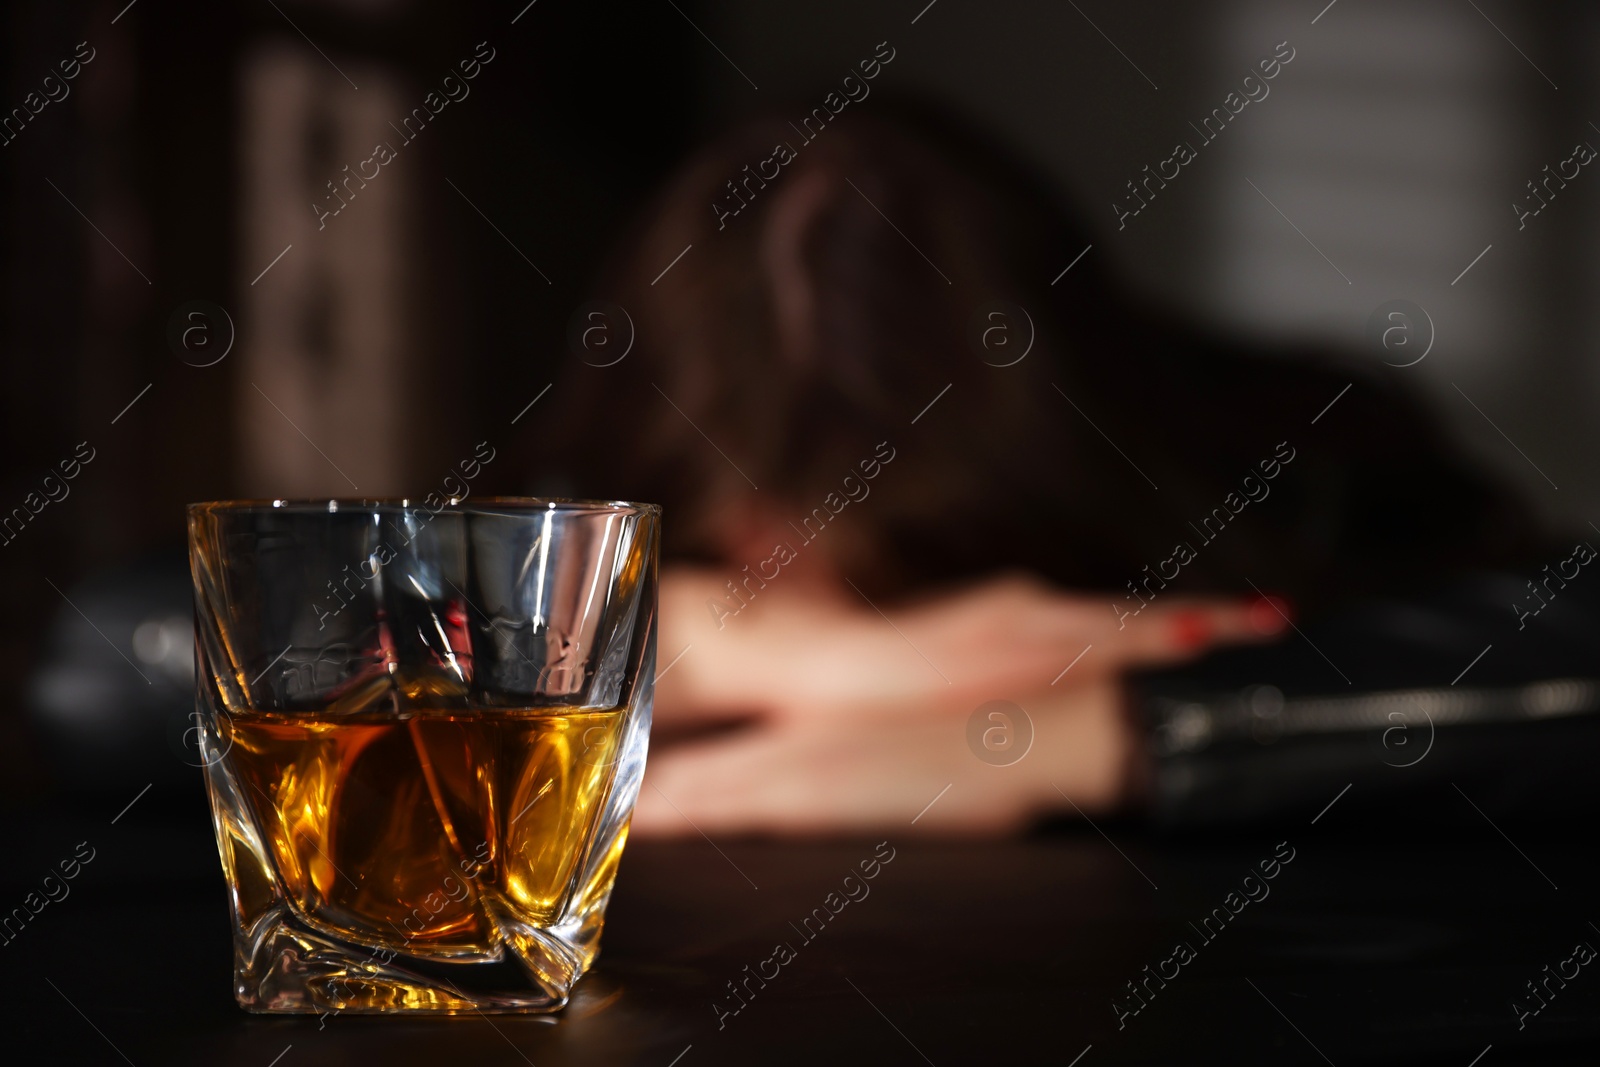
872 283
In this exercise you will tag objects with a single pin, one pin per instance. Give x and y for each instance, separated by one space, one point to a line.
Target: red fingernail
1191 629
1270 614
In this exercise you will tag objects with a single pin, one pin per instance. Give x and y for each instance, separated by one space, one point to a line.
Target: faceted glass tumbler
424 730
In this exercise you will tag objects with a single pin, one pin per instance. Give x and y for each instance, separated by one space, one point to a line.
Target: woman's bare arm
860 716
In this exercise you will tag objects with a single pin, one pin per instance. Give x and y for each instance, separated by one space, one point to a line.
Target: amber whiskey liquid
428 832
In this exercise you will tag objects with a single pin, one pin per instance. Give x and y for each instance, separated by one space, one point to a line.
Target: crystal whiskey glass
424 730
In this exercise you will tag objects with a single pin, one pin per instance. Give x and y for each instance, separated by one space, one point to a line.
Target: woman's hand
873 768
860 717
808 648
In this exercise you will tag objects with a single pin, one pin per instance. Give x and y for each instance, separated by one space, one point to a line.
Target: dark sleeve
1483 692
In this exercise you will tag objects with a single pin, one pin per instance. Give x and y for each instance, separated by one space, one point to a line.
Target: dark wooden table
1376 943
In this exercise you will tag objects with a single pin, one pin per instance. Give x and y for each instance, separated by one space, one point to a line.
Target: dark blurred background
369 356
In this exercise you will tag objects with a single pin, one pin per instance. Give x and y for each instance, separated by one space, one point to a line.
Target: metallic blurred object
114 691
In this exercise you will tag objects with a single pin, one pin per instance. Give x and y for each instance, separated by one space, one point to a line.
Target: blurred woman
911 467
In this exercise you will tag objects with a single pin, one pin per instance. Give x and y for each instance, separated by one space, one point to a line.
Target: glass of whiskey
424 726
